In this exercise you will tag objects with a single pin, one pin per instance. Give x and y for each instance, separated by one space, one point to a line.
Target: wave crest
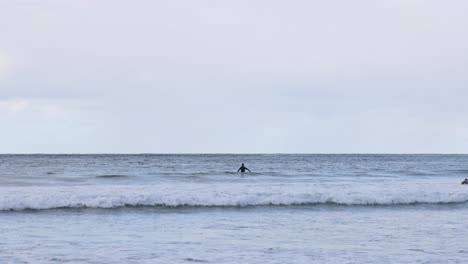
234 195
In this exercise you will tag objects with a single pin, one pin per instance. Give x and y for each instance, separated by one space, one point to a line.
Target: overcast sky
243 76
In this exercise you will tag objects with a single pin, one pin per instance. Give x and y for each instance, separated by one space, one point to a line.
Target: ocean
292 208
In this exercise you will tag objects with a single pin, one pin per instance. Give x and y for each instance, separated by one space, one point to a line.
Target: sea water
197 209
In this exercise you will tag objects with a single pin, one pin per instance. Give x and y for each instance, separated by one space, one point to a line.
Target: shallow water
195 209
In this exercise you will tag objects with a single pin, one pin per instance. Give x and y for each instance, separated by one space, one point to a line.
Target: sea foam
228 195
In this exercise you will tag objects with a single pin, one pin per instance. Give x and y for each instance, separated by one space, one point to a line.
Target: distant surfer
465 181
243 168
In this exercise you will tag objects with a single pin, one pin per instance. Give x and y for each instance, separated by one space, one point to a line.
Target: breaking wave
232 195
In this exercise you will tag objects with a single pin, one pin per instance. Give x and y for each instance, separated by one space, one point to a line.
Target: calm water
196 209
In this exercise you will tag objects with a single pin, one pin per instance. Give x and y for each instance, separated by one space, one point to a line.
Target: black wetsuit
243 169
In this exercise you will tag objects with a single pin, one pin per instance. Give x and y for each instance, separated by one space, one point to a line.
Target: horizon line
230 153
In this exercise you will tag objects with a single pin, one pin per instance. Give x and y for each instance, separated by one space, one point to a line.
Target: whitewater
222 195
295 208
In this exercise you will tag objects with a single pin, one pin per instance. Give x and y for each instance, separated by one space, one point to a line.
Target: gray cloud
233 76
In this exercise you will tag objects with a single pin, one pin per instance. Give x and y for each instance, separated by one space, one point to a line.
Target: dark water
35 170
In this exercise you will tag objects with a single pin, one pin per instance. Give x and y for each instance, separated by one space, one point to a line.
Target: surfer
243 168
465 181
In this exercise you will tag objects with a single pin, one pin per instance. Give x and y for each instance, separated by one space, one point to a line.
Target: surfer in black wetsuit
243 168
465 181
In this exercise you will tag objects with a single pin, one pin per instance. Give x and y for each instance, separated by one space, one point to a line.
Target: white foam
15 198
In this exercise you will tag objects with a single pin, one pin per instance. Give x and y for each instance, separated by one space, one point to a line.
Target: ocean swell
232 195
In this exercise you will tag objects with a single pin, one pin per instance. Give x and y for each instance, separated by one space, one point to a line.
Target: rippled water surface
196 209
